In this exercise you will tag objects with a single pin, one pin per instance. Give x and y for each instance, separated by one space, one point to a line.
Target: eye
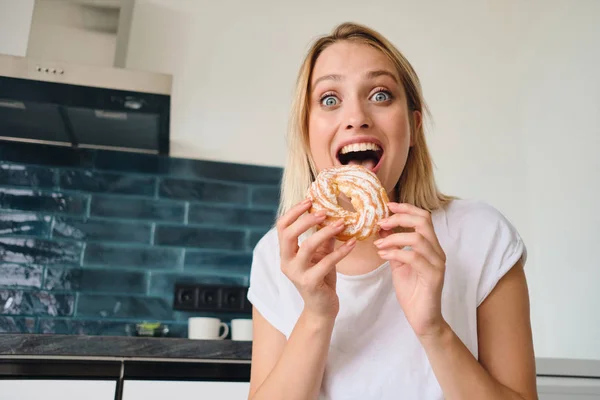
329 100
382 95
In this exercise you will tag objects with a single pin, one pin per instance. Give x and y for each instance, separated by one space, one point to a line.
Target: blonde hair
416 184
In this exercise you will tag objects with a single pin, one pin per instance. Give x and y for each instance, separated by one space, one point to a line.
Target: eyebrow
369 75
381 72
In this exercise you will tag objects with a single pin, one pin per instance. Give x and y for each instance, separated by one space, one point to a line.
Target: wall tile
204 259
99 182
35 303
102 327
254 238
106 306
44 232
199 237
143 257
37 251
203 191
163 283
229 216
226 317
30 200
26 175
95 280
231 172
144 209
90 229
187 169
24 223
119 161
265 196
48 155
17 324
21 275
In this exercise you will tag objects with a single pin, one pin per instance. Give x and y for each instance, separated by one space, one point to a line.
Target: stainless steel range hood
84 106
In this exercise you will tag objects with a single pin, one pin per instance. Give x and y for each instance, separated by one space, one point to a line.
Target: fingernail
382 253
339 223
306 202
382 222
351 242
320 214
378 242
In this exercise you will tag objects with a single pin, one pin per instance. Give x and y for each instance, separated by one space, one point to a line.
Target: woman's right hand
311 266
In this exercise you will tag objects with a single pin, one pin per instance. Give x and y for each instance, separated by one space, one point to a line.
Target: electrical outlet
186 297
231 298
199 297
208 297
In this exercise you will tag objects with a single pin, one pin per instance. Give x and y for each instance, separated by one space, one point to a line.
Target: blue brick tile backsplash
39 251
90 229
101 182
197 237
23 223
265 196
150 257
114 306
95 280
93 242
28 176
26 302
203 191
137 208
33 200
21 275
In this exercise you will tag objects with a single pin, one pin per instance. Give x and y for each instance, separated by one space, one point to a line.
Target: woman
434 307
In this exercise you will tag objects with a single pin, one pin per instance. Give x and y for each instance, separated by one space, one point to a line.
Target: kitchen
95 240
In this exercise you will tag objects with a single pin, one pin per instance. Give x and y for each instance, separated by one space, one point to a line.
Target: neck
362 259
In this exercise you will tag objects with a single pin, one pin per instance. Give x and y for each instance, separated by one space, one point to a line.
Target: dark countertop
122 347
25 346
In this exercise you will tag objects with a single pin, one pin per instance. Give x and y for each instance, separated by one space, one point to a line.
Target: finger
289 236
407 208
414 241
414 259
309 246
293 214
420 224
326 247
383 233
323 267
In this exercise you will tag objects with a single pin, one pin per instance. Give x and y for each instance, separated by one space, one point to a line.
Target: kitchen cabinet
567 388
204 390
57 389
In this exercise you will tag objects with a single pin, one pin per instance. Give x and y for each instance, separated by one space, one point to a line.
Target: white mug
241 329
206 328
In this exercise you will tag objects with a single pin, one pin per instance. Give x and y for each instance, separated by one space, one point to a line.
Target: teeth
349 148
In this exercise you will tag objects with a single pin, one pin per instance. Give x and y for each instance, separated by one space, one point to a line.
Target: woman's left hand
418 271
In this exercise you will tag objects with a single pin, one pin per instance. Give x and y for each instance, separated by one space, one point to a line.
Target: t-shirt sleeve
263 291
503 248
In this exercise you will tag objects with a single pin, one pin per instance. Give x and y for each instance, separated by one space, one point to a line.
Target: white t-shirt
374 353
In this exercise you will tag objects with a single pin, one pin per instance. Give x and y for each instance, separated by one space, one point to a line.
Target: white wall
235 63
15 22
512 87
559 93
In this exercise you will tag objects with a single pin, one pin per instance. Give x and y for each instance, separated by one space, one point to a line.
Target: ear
417 120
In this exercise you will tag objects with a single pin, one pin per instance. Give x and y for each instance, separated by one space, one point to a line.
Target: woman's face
358 112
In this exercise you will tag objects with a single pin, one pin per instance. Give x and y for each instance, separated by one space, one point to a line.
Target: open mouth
367 154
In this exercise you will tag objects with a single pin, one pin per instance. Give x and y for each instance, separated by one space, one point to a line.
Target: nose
357 117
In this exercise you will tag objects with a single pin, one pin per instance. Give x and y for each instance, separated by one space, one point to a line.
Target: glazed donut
362 187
